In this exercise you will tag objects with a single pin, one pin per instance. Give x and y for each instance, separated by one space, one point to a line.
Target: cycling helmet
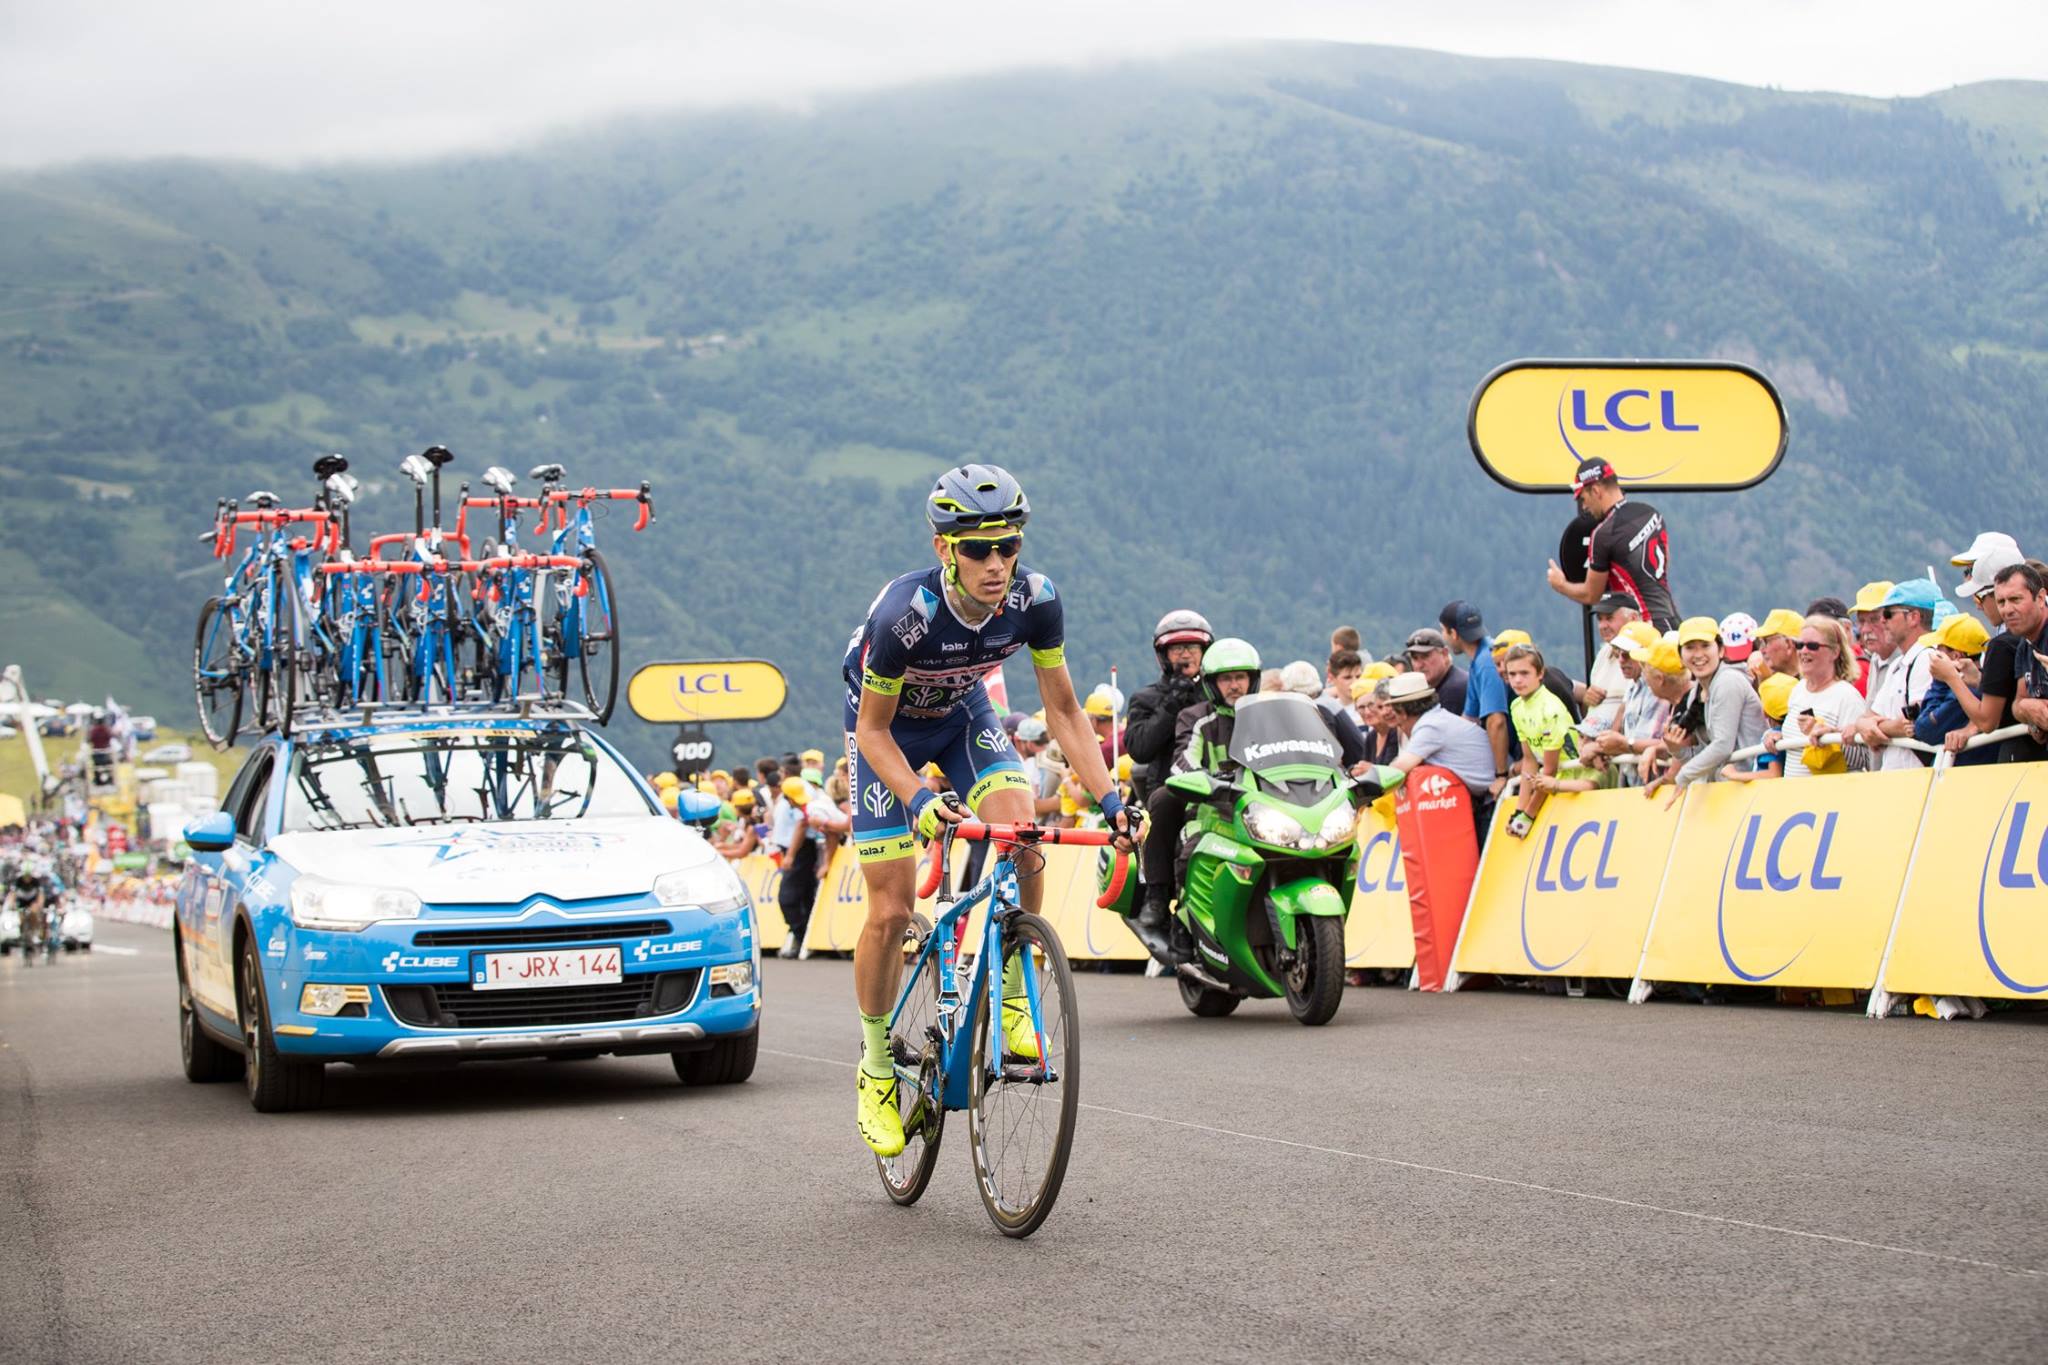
976 497
1180 627
1228 655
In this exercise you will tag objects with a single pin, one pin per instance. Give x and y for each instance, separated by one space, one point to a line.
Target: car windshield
380 781
1276 729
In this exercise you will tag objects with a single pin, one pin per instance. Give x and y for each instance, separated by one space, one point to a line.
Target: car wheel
206 1059
728 1061
276 1084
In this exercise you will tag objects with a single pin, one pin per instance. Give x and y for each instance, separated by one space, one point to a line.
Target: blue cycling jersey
915 648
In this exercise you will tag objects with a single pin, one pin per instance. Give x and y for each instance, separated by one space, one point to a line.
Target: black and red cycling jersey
1632 547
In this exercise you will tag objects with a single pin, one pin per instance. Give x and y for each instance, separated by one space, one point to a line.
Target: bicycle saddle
327 466
416 469
341 489
548 473
500 478
262 499
437 455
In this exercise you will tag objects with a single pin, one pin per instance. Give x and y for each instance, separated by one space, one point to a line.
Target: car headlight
1271 826
1338 824
321 904
716 889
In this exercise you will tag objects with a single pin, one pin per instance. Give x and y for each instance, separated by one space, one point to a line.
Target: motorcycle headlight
716 889
1271 826
321 904
1338 825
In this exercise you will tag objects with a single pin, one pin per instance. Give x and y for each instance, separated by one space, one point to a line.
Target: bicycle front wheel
598 632
217 678
1021 1110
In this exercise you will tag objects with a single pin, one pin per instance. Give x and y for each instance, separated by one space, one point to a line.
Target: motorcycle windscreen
1285 731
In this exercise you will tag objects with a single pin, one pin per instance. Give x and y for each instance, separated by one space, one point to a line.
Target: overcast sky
297 80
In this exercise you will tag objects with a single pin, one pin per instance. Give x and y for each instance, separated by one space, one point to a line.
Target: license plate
549 967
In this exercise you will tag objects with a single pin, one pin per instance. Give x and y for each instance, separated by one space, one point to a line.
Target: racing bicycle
255 637
946 1033
585 621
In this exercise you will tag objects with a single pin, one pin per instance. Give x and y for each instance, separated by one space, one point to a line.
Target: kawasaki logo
393 961
878 799
1259 753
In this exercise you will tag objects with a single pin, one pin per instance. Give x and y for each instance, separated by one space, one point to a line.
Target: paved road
1428 1178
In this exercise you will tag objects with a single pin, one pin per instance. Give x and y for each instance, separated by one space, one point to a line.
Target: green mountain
1222 314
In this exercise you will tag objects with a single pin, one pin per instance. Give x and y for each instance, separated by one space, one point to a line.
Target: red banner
1440 855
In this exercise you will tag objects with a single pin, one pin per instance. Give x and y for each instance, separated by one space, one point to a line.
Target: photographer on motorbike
1230 669
1177 642
35 899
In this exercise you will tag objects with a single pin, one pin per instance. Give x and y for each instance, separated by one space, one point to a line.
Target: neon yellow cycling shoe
1019 1038
881 1126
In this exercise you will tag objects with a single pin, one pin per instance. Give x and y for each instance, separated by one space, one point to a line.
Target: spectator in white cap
1600 693
1984 544
1430 734
1985 567
1907 611
1738 637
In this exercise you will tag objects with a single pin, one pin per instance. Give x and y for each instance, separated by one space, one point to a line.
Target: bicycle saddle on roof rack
262 499
437 455
548 473
341 489
501 479
327 466
416 469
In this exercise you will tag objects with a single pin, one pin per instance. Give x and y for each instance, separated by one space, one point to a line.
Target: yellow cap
707 787
794 789
1696 628
811 758
1776 694
1123 767
1783 621
1099 704
1374 672
1964 634
1870 596
743 799
1664 658
717 773
1508 639
1637 639
665 780
669 797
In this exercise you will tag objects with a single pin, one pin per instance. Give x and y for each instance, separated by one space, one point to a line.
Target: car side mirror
1196 784
697 808
213 833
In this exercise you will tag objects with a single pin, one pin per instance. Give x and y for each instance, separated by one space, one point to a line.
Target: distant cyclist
914 674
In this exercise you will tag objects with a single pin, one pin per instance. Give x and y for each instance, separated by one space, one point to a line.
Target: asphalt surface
1442 1178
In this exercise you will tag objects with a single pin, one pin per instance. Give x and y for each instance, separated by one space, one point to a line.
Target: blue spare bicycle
947 1033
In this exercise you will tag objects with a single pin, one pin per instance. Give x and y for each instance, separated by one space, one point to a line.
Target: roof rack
369 714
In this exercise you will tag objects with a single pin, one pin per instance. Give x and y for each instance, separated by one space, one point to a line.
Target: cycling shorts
969 746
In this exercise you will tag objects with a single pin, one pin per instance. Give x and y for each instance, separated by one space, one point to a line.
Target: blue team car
438 887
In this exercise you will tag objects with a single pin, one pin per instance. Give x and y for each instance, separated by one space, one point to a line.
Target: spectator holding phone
1719 714
1825 700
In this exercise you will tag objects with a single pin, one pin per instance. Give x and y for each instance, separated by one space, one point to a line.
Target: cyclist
914 674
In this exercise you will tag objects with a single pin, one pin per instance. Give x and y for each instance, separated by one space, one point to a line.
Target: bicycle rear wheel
1021 1112
218 682
287 652
915 1042
598 642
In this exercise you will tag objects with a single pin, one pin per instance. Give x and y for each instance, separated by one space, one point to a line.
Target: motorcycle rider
1230 669
1177 642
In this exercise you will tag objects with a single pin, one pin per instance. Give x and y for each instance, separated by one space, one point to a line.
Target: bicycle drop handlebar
976 831
561 498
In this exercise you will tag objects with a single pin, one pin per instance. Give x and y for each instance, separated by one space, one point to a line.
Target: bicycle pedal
1027 1072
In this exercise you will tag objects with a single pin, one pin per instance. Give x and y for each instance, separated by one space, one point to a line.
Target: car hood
503 863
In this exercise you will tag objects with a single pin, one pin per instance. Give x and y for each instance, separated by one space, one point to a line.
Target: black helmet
1182 627
976 497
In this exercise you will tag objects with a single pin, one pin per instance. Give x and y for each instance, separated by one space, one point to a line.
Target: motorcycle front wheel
1315 983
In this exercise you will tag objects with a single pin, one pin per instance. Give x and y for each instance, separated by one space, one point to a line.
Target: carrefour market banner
1786 883
1974 920
1574 898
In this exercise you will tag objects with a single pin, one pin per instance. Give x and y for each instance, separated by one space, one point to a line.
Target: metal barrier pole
1880 999
1639 989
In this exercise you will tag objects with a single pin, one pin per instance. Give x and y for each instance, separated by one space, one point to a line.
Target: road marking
1523 1184
117 951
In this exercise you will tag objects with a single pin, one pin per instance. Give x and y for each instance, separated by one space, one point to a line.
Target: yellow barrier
842 905
1787 883
1974 917
764 879
1380 931
1575 897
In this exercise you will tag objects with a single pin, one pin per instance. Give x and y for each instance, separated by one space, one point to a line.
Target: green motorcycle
1269 876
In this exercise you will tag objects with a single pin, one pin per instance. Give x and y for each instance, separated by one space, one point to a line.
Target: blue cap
1914 592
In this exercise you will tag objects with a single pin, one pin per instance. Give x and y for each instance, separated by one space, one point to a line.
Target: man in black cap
1429 654
1630 550
1605 680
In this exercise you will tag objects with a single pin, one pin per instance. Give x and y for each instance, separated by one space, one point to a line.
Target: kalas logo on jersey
878 799
2021 857
1787 866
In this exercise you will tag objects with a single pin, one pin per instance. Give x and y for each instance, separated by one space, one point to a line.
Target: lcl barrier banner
764 879
1974 918
1439 855
842 904
1786 883
1574 898
1380 932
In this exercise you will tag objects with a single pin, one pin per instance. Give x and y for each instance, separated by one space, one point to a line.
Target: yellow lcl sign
1682 425
714 689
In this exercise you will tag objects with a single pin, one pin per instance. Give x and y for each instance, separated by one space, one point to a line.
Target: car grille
456 1004
538 934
